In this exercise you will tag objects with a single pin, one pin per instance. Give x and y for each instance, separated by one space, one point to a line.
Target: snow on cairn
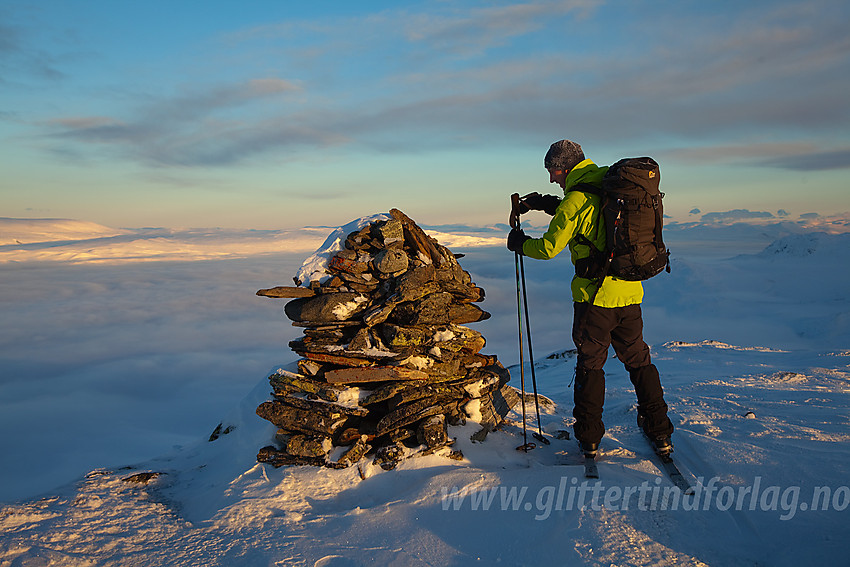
386 361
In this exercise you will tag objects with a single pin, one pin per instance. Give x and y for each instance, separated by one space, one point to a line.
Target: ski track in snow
761 407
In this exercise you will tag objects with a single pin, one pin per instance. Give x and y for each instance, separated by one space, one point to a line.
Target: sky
270 115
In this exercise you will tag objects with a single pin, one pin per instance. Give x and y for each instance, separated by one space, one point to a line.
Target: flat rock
373 374
377 314
466 313
308 446
432 309
327 307
338 359
342 264
496 405
400 337
277 458
330 409
354 453
297 419
284 291
410 413
285 382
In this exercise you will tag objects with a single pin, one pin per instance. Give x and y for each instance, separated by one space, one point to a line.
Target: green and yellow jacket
578 214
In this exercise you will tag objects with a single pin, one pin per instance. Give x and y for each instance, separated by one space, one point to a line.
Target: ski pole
526 446
539 435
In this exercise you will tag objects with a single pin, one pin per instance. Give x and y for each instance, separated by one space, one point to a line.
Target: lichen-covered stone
391 261
308 446
389 456
432 432
354 453
391 233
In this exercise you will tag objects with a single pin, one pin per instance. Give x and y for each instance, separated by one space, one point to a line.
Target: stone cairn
386 361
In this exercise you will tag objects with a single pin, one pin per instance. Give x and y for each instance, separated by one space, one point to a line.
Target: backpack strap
594 267
593 190
658 223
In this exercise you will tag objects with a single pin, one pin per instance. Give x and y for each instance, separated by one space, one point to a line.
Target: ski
667 463
589 458
675 474
669 466
590 469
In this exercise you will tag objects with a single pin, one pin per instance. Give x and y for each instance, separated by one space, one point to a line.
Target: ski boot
663 445
589 450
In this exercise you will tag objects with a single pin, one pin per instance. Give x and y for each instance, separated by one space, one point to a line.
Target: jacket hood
585 172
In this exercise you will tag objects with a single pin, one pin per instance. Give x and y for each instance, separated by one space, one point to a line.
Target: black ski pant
594 330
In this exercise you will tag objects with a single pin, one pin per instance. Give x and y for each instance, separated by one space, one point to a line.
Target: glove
537 202
516 238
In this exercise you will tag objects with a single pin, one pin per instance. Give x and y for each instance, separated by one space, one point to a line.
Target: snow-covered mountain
26 231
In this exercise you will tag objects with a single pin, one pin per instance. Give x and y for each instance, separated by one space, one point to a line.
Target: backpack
632 210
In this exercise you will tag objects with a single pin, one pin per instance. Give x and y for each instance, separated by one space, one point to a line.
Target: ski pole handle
514 219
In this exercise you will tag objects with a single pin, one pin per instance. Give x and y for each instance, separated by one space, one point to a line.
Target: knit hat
563 155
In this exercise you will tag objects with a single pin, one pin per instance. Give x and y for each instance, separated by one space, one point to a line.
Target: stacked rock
387 362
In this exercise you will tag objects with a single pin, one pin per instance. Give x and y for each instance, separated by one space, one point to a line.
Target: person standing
603 317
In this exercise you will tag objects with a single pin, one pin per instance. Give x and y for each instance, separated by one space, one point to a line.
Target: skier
613 318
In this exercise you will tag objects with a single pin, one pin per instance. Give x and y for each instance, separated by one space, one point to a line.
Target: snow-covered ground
110 369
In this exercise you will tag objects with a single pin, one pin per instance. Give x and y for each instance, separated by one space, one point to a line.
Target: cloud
9 40
798 156
20 60
735 215
77 123
748 151
714 85
764 223
474 31
838 223
200 103
8 115
815 161
193 128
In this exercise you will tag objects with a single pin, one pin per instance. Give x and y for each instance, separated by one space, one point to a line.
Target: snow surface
752 347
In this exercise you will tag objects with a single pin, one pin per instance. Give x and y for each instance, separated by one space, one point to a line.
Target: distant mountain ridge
25 231
76 241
